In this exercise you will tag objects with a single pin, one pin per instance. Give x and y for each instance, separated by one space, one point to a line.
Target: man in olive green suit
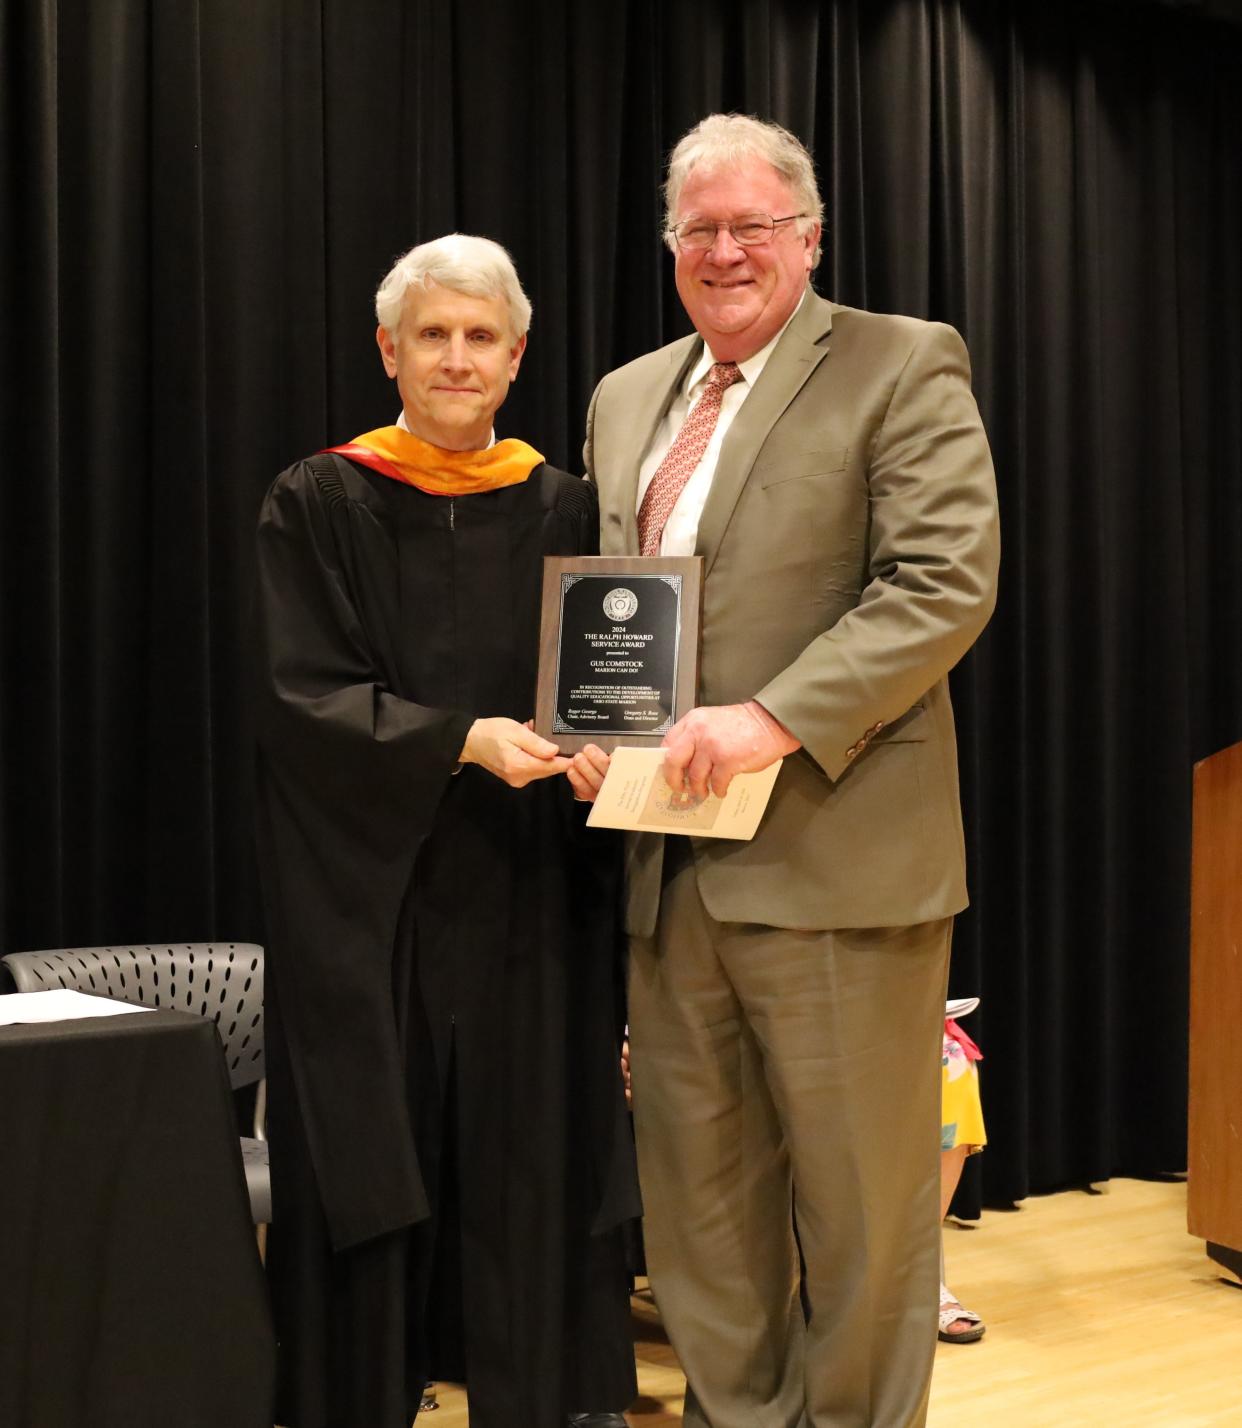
786 994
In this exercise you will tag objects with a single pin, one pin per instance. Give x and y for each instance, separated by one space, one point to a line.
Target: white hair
462 263
724 140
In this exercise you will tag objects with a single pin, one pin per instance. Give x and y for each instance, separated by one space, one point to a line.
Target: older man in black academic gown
450 1159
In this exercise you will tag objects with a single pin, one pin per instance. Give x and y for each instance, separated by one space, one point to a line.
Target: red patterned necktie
682 457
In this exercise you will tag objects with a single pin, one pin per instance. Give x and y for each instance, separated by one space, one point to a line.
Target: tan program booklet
635 796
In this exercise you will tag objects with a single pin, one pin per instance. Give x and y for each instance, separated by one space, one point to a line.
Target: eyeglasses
696 234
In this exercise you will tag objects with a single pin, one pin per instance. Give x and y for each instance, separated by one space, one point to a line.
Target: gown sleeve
349 780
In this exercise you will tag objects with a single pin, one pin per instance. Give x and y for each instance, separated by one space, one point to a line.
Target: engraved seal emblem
620 604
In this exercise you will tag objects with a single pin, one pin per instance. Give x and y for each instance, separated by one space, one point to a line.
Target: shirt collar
750 368
404 425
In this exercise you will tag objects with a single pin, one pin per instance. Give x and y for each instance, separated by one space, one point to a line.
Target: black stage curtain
198 201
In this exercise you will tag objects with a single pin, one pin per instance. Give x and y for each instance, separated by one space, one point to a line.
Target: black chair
220 980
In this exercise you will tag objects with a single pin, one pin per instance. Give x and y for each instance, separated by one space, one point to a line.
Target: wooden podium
1214 1210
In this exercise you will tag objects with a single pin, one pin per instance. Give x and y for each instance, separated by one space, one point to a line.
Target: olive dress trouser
782 1075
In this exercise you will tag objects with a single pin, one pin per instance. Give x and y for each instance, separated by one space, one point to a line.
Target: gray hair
464 264
723 140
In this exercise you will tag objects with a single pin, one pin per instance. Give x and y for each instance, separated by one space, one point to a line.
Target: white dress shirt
681 530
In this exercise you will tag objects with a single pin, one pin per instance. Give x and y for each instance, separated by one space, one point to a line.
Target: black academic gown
450 1154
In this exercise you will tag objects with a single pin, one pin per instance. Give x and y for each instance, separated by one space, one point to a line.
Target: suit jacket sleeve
932 557
588 444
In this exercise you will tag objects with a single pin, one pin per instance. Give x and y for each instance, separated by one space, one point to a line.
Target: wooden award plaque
618 648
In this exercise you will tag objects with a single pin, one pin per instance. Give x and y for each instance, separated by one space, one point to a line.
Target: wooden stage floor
1102 1312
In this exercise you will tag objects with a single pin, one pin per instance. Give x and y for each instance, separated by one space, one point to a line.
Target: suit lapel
652 394
801 349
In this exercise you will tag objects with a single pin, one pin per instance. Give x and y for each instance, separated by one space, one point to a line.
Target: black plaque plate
619 648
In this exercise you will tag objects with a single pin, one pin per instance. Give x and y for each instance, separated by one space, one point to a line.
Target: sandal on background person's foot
951 1312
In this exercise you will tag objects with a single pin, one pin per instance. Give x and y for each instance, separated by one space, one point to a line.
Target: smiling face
739 298
454 358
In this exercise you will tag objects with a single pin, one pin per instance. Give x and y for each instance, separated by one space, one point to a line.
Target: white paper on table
635 796
960 1006
62 1004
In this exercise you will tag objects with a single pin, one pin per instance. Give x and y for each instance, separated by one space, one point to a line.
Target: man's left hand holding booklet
636 797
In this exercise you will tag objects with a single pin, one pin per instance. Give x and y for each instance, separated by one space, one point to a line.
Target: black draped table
131 1292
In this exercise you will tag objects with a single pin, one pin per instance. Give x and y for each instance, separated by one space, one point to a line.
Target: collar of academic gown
397 453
